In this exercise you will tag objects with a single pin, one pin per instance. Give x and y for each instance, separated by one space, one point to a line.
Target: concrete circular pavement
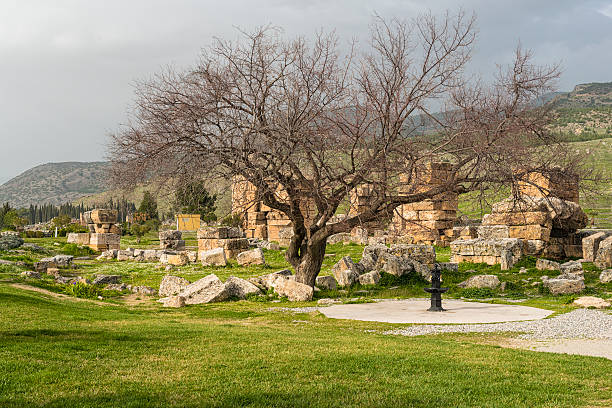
415 311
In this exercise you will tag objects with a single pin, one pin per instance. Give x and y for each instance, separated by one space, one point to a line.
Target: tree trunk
310 263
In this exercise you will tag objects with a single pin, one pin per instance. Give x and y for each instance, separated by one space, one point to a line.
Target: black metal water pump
436 291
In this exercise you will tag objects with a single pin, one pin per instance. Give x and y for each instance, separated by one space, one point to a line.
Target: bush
10 241
477 293
76 250
82 290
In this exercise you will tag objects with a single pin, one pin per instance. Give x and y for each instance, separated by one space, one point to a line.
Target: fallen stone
174 258
240 288
251 257
590 245
174 301
370 278
150 255
171 285
45 263
62 279
125 255
269 281
117 286
294 291
603 259
346 277
547 265
144 290
63 261
480 281
106 279
592 301
31 274
326 282
213 257
564 286
206 290
571 267
605 276
53 271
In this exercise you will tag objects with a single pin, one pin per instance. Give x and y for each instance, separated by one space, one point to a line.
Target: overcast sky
67 68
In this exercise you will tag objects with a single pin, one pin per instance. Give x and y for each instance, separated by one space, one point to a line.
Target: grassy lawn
58 353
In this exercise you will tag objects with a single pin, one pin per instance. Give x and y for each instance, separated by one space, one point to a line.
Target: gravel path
578 324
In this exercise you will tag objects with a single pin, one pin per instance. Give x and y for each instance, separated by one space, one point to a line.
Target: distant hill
55 183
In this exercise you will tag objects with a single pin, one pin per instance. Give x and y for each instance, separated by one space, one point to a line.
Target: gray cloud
67 67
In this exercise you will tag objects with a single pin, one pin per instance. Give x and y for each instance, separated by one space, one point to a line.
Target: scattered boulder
44 264
174 258
605 276
150 255
117 286
345 271
603 259
590 245
125 255
294 291
547 265
251 257
62 279
240 288
393 265
370 278
106 279
30 274
206 290
53 271
269 281
591 301
171 285
109 254
564 286
571 267
213 257
174 301
480 281
326 282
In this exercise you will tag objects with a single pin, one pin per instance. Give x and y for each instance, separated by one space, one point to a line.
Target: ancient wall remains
554 184
231 239
104 232
429 221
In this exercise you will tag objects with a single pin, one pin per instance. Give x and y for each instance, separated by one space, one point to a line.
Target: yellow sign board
187 222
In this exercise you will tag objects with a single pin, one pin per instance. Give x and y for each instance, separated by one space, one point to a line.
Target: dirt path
583 347
59 295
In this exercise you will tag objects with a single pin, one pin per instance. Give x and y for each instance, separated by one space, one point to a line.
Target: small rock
523 270
269 281
592 301
564 286
144 290
240 288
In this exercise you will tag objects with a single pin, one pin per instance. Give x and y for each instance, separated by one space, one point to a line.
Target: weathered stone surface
117 286
53 271
240 288
213 257
480 281
44 264
294 291
170 235
106 279
174 258
346 263
206 290
338 238
171 285
370 278
592 301
346 277
108 254
174 301
425 254
125 255
487 251
79 238
269 281
590 245
393 265
63 261
219 233
150 255
564 286
547 265
10 241
252 257
326 282
605 276
449 267
604 254
30 274
493 231
571 267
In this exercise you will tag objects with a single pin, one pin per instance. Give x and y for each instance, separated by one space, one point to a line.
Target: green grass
58 353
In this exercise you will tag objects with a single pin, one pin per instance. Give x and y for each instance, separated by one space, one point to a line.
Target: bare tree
300 116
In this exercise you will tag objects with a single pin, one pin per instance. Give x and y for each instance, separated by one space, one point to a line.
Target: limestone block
530 232
590 245
604 254
370 278
480 281
171 285
326 282
493 231
252 257
294 291
79 238
213 257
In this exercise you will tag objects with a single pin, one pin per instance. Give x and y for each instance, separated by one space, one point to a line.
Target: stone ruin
171 240
259 220
429 221
231 239
104 232
538 224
